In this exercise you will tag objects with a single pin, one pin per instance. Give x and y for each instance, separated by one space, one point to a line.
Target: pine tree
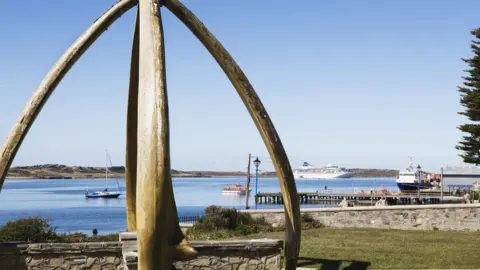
470 99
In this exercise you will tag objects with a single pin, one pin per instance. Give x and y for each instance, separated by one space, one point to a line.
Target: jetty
360 199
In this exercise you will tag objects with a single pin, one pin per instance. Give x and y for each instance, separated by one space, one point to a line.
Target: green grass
386 249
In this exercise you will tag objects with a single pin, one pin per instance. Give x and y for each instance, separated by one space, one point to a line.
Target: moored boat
329 171
105 194
102 194
235 189
411 180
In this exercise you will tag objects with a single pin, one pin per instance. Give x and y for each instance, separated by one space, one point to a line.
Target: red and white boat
235 189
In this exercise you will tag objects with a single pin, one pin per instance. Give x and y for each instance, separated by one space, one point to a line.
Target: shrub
81 237
71 237
221 222
32 229
308 222
39 230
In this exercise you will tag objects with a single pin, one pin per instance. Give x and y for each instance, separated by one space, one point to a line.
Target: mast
106 169
108 160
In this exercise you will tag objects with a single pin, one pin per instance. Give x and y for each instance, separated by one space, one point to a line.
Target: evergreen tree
470 99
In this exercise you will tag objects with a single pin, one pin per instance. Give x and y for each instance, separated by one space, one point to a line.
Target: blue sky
356 83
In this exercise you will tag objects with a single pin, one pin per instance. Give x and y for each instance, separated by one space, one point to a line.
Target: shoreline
64 172
180 177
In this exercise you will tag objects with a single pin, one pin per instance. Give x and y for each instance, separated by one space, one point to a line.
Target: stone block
110 259
80 260
226 266
90 261
56 261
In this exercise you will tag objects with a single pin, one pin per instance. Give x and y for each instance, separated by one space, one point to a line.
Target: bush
81 237
308 222
32 229
221 222
39 230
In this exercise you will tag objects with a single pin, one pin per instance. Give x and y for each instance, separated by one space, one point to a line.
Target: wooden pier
358 199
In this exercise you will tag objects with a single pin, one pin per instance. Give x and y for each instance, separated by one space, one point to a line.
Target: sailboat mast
106 168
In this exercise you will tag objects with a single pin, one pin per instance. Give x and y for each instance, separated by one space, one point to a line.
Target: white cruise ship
329 171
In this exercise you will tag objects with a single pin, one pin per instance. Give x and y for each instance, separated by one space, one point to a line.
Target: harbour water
64 202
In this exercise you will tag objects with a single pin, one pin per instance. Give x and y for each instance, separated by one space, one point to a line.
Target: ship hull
321 176
413 186
234 192
109 196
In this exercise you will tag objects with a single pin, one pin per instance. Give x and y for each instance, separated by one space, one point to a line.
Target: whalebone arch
153 212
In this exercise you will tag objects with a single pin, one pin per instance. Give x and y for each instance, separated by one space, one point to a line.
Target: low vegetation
31 229
218 223
40 230
351 248
321 247
221 223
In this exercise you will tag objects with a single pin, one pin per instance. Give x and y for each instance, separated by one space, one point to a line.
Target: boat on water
412 179
235 189
453 177
104 194
329 171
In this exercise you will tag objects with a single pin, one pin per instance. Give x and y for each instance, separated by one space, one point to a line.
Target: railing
426 193
189 219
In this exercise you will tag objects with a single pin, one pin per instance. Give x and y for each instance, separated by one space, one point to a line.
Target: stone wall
228 255
239 254
231 255
76 256
419 217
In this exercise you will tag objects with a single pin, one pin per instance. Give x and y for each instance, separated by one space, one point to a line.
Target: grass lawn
386 249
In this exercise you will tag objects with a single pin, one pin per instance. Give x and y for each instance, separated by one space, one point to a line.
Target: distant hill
365 173
57 171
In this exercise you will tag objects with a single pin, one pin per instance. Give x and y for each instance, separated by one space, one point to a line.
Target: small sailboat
105 194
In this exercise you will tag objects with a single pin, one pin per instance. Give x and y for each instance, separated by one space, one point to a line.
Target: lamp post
419 174
256 162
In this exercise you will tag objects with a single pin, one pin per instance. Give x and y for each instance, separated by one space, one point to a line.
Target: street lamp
256 162
418 170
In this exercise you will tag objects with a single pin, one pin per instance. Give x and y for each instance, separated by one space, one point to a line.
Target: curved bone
131 146
154 189
53 78
262 121
182 250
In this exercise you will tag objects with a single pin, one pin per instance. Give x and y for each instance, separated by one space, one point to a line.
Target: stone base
75 256
231 255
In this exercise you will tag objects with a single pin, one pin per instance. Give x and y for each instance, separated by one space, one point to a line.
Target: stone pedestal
73 256
231 255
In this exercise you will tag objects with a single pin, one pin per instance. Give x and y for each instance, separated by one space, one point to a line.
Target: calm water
63 200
